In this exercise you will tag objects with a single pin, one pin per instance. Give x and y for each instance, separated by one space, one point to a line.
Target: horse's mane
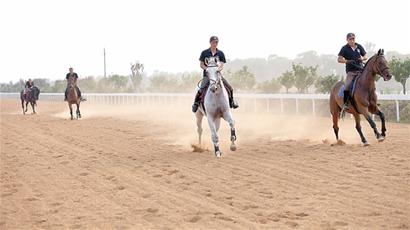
370 59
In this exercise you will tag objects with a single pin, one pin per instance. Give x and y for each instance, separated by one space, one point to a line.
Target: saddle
352 86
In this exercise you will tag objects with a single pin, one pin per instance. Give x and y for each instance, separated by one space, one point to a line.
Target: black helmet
213 38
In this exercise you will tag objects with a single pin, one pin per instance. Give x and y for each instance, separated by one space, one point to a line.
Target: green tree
242 79
305 76
137 70
271 86
400 69
164 82
325 84
287 79
188 81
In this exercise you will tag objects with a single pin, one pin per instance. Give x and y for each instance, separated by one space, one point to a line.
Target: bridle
213 82
378 71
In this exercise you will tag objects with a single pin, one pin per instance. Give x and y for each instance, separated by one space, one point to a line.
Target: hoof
380 139
218 154
365 144
233 147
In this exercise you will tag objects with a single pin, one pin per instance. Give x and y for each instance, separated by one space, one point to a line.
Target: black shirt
68 75
208 53
352 54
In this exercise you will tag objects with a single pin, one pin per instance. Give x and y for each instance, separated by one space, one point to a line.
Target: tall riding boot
197 100
232 102
346 97
65 95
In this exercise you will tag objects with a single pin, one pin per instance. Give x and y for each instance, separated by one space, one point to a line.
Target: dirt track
130 169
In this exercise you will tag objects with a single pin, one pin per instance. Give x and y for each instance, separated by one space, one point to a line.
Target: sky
43 38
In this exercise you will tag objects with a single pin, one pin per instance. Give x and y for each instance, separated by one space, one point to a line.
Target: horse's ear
382 51
378 52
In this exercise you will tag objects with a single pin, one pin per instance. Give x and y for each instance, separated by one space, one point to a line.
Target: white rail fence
271 103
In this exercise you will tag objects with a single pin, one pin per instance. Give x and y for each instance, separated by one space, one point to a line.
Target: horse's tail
334 95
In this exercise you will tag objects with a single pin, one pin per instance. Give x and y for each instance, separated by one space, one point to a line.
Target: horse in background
364 99
215 106
30 97
72 97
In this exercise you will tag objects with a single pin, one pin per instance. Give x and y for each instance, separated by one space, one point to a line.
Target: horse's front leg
199 117
71 111
25 111
33 107
22 106
228 117
383 121
369 119
214 135
78 111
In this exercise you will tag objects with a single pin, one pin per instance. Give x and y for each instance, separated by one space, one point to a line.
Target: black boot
197 100
346 97
232 103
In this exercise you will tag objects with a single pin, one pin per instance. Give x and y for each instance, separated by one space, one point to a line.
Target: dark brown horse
364 99
30 97
72 97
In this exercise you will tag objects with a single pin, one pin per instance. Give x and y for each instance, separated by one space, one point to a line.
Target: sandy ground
128 167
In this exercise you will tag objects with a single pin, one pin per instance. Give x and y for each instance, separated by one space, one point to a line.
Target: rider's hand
349 61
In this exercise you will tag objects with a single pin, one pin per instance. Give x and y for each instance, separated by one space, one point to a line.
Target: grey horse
215 107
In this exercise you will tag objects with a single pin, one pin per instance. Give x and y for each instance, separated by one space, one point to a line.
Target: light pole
105 68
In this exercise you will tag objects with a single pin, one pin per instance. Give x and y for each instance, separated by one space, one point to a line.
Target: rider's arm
363 58
362 53
203 66
341 59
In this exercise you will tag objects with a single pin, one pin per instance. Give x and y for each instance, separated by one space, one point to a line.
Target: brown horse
364 99
30 97
72 97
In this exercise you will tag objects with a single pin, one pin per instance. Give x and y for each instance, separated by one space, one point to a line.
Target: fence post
313 107
267 105
297 105
281 105
397 111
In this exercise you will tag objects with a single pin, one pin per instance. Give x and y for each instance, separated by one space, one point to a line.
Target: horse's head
71 83
212 71
380 65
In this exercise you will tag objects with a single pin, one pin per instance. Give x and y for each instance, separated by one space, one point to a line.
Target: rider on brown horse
75 76
353 54
219 55
27 87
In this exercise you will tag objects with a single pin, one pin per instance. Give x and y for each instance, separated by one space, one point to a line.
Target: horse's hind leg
228 117
359 128
199 117
335 118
